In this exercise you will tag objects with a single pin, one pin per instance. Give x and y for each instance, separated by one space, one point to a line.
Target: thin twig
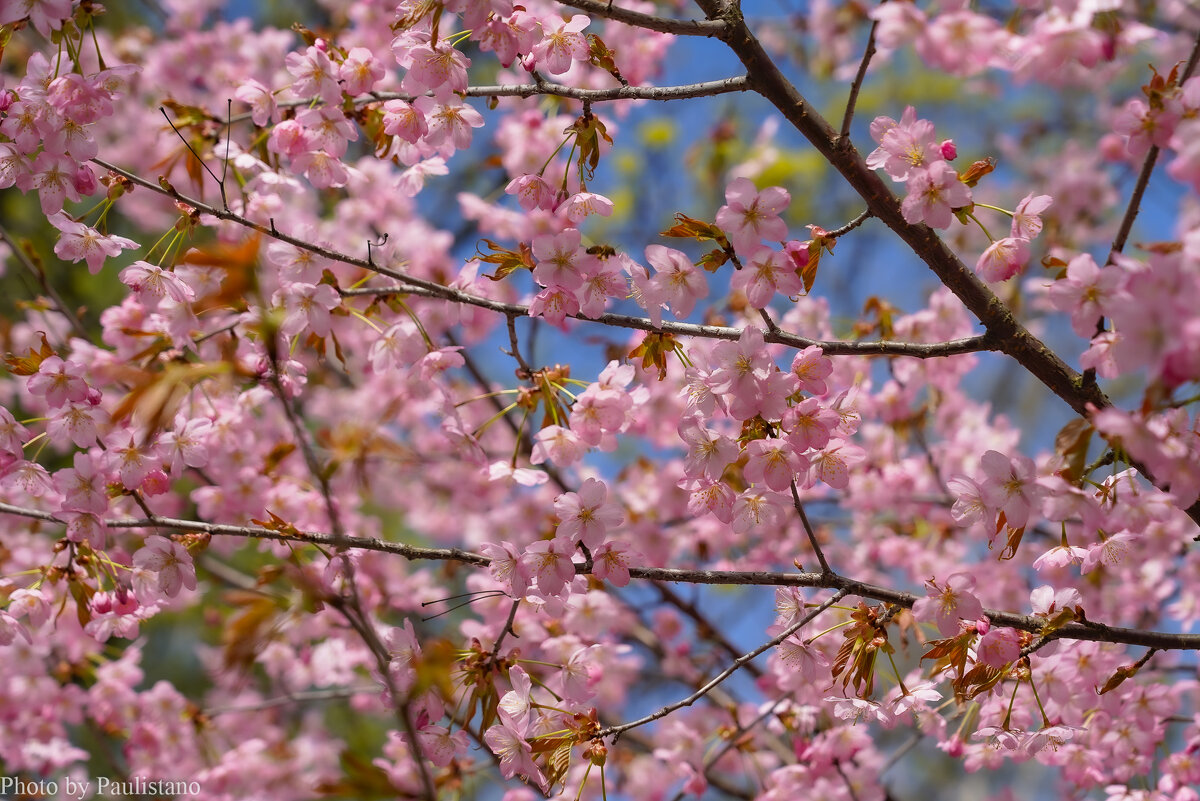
200 161
739 83
331 694
837 765
850 226
416 286
508 628
614 731
526 370
648 22
856 86
808 529
38 275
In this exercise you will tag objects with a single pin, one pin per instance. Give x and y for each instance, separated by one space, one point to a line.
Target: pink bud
949 151
983 625
85 180
155 483
6 100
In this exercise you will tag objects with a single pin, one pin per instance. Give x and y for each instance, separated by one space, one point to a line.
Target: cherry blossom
749 216
170 561
948 603
561 45
932 194
587 515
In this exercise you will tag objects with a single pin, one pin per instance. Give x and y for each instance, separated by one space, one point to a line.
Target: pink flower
549 561
611 562
1045 600
946 605
315 74
587 515
810 425
1011 486
583 204
1087 292
714 497
440 69
750 216
811 368
676 282
1110 552
559 445
323 170
170 561
832 465
554 304
562 44
904 147
766 272
58 382
932 193
533 192
328 128
80 242
407 120
506 567
1003 259
450 126
260 99
360 71
54 179
45 15
403 650
856 710
290 138
152 283
559 258
709 453
602 279
518 702
999 647
507 741
754 509
1026 224
30 604
773 462
307 306
797 664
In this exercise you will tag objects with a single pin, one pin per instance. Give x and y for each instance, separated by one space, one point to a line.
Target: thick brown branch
1012 338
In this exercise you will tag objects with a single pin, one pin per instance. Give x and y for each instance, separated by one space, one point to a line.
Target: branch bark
1097 632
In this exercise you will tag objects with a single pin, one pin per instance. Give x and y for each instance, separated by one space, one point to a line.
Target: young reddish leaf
29 365
1071 444
600 55
713 260
977 170
506 261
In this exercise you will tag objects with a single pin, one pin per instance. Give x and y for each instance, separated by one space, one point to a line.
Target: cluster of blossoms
271 414
910 153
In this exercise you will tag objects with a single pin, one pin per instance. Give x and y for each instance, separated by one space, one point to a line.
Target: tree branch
856 86
647 21
430 289
738 83
727 672
1143 179
1092 631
